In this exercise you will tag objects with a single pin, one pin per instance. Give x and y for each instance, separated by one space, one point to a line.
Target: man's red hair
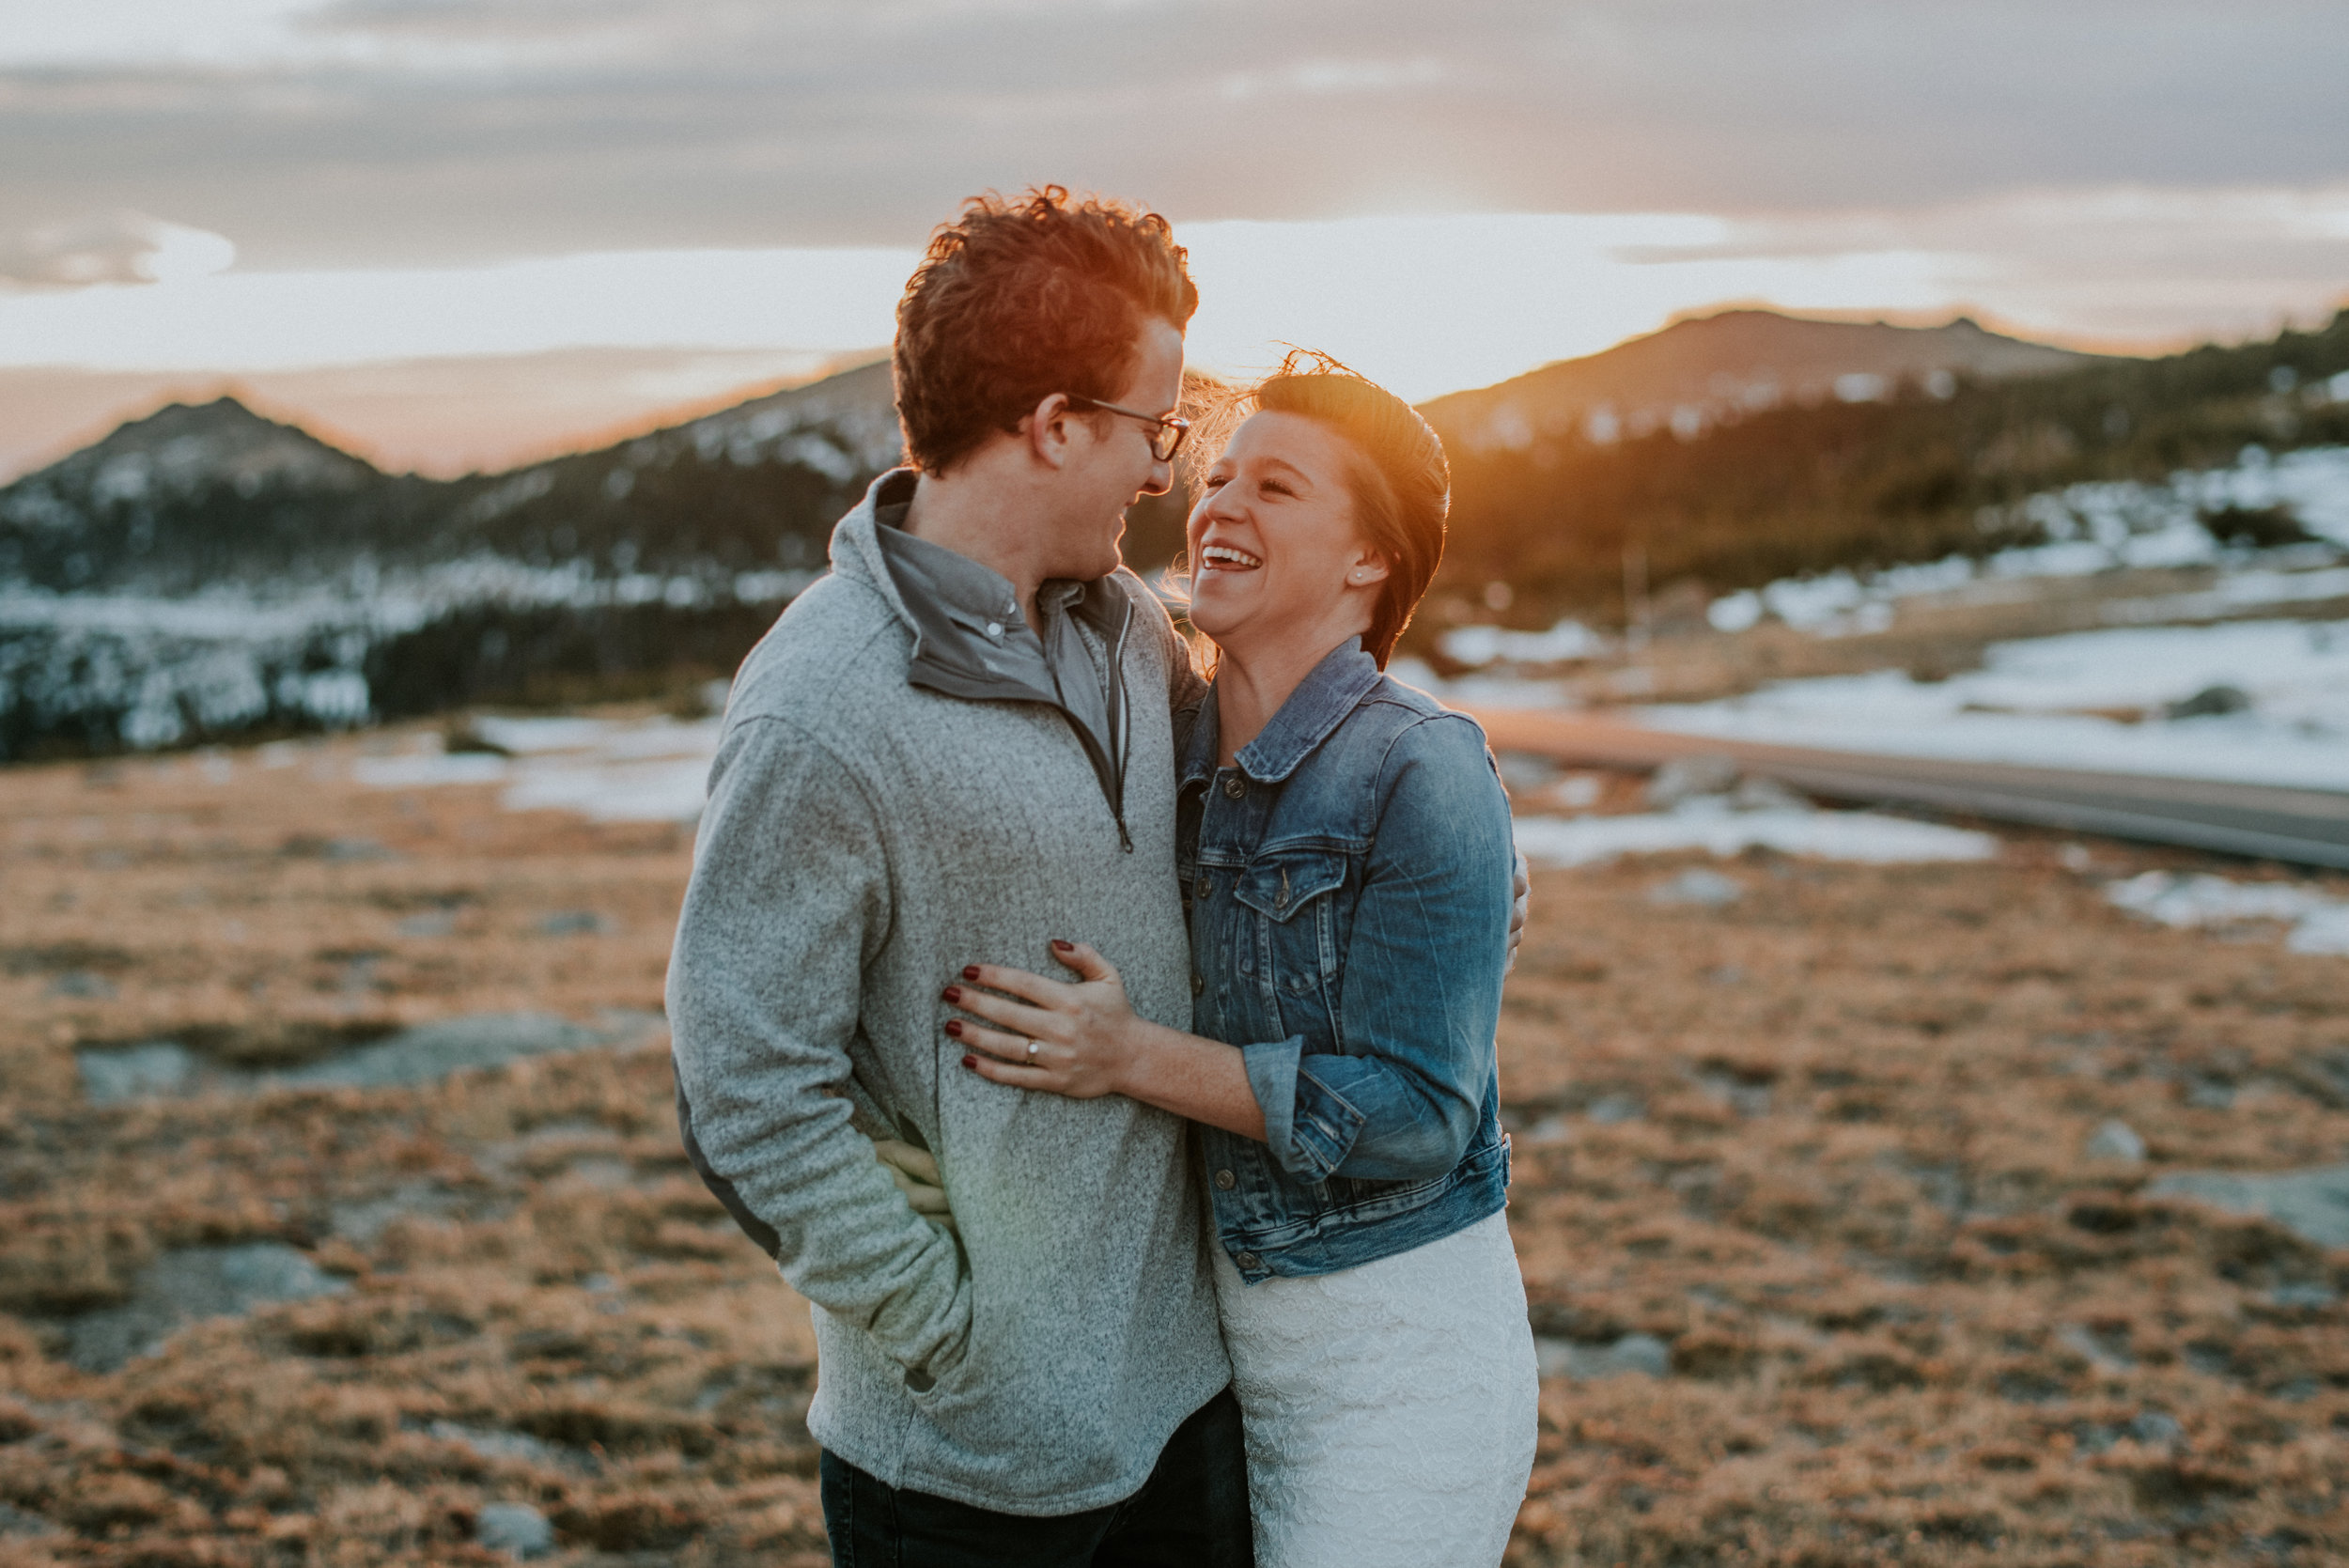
1018 300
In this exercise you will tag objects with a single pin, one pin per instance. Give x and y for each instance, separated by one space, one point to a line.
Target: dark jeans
1192 1513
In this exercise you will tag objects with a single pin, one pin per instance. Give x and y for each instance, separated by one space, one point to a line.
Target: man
951 750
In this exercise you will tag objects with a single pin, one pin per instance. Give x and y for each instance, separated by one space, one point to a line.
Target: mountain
1714 370
190 497
215 496
755 487
441 416
182 449
206 572
1917 469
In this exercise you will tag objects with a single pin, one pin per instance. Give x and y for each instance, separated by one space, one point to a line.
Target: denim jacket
1348 886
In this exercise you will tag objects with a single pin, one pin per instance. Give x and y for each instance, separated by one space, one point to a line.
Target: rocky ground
1865 1211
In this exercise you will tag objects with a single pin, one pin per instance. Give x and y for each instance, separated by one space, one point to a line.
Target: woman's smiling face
1275 551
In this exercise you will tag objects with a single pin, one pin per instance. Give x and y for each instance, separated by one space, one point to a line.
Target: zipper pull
1125 840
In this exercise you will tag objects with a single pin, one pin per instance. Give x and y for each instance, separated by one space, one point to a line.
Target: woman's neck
1251 684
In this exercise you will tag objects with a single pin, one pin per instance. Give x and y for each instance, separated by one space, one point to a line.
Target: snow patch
615 792
158 669
2088 700
1866 837
2092 528
2319 923
608 771
2312 1204
1479 646
424 769
1481 690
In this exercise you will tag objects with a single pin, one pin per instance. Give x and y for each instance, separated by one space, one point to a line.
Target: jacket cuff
1309 1126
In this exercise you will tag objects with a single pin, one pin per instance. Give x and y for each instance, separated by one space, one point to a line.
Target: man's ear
1046 429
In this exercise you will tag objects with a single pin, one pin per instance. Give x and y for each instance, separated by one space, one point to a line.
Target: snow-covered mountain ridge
205 570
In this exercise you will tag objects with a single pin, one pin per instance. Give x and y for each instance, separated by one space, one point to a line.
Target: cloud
2143 169
1426 303
115 32
112 247
2133 264
820 301
425 131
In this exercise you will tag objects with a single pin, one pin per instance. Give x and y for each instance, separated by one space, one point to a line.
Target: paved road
2306 827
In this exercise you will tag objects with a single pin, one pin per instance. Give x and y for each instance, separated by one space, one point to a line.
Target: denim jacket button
1248 1260
1235 786
1225 1180
1202 887
1198 983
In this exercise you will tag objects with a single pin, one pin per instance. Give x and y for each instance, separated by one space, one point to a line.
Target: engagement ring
1033 1048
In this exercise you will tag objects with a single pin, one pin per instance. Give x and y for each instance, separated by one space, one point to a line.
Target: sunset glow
295 188
1427 304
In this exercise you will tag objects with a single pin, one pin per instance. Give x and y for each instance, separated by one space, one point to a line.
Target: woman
1346 855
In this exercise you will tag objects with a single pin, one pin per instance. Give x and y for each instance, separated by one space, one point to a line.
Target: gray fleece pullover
866 838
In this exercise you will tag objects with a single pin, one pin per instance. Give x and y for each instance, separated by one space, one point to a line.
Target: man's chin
1110 558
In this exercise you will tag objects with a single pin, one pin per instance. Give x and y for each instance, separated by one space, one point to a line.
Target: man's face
1110 466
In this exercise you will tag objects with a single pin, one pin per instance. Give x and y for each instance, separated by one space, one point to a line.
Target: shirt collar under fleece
970 640
966 615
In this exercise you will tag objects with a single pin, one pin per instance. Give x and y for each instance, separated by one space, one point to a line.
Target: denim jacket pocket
1292 897
1280 882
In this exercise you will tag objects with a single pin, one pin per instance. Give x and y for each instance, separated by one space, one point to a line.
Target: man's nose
1161 477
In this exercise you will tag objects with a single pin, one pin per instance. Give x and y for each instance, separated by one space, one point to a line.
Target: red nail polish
953 993
1060 946
971 972
970 1061
954 1026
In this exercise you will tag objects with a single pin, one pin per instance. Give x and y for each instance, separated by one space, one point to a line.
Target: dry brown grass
1910 1321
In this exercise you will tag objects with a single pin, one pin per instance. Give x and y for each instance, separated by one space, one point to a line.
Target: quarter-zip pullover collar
972 642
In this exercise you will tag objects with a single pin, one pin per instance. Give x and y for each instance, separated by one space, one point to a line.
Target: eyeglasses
1166 441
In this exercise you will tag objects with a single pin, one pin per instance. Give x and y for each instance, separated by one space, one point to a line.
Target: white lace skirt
1391 1409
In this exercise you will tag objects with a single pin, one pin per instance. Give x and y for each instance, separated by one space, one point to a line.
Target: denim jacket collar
1320 703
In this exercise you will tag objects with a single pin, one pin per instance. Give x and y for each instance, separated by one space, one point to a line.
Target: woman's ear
1369 567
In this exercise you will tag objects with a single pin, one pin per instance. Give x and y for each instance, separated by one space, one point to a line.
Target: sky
548 218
